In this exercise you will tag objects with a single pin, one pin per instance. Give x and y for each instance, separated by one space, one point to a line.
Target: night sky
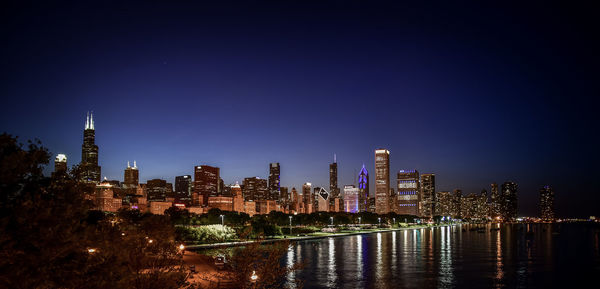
473 92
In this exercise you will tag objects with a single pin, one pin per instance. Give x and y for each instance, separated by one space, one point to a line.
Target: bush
329 230
206 233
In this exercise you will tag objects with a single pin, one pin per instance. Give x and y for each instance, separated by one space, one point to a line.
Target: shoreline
301 238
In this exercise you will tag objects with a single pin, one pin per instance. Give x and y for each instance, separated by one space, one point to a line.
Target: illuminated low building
158 208
351 203
221 203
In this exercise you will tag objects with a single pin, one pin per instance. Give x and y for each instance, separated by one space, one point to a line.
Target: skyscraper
90 171
307 198
60 164
363 189
131 176
382 181
255 189
495 202
406 201
509 205
206 183
547 203
274 181
334 191
428 197
183 189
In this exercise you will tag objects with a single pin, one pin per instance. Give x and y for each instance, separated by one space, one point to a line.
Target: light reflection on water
516 256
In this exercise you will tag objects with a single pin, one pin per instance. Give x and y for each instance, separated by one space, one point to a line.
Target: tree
52 239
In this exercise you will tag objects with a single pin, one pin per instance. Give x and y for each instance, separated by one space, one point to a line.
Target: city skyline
468 96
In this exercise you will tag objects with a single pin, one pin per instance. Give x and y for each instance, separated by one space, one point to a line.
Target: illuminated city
325 144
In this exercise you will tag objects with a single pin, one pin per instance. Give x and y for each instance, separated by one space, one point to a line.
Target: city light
91 250
253 277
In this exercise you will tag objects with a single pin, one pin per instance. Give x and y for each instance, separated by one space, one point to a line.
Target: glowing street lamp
181 247
91 250
359 219
150 241
394 221
253 277
290 225
331 219
222 220
379 219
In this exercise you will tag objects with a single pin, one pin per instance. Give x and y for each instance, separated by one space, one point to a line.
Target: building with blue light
363 189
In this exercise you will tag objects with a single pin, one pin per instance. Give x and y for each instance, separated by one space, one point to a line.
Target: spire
92 120
128 164
134 165
334 158
87 121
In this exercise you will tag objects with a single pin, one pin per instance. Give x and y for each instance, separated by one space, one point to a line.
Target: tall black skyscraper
547 203
334 190
90 171
274 181
509 204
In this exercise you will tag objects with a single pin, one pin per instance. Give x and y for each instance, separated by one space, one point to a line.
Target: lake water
515 256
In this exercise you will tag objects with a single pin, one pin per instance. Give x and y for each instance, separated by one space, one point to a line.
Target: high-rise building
444 204
131 176
509 204
334 190
406 201
255 189
495 202
206 183
382 181
295 201
274 181
455 203
351 194
321 200
183 189
547 203
428 197
60 164
90 171
307 198
363 189
238 198
158 189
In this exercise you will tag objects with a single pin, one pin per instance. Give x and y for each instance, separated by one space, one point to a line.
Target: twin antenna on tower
89 121
134 165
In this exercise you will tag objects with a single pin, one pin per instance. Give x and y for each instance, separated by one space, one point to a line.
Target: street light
253 277
91 250
359 219
379 219
222 220
290 225
394 221
331 219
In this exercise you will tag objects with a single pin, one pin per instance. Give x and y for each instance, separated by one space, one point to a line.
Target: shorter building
250 208
238 198
105 200
321 199
60 164
351 199
444 204
158 208
221 203
547 204
197 210
266 206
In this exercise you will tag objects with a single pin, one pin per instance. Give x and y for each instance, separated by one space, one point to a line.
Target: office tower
158 189
371 205
351 194
455 203
183 189
284 201
495 202
206 183
547 203
255 189
428 198
131 176
334 191
307 198
406 201
444 204
363 189
295 201
321 199
60 164
382 181
90 171
238 198
274 181
474 206
509 205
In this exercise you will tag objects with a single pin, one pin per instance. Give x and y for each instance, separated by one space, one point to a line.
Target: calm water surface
516 256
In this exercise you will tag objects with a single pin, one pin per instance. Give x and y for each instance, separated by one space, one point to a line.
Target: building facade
509 201
407 201
90 170
547 204
206 183
274 181
428 197
382 181
351 194
363 189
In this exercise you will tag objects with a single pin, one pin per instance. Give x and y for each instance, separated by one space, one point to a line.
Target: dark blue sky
473 92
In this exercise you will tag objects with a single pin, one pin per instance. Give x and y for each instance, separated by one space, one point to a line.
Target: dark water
516 256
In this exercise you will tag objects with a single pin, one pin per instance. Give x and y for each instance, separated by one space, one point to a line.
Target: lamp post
359 219
222 220
394 221
290 225
331 219
379 220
